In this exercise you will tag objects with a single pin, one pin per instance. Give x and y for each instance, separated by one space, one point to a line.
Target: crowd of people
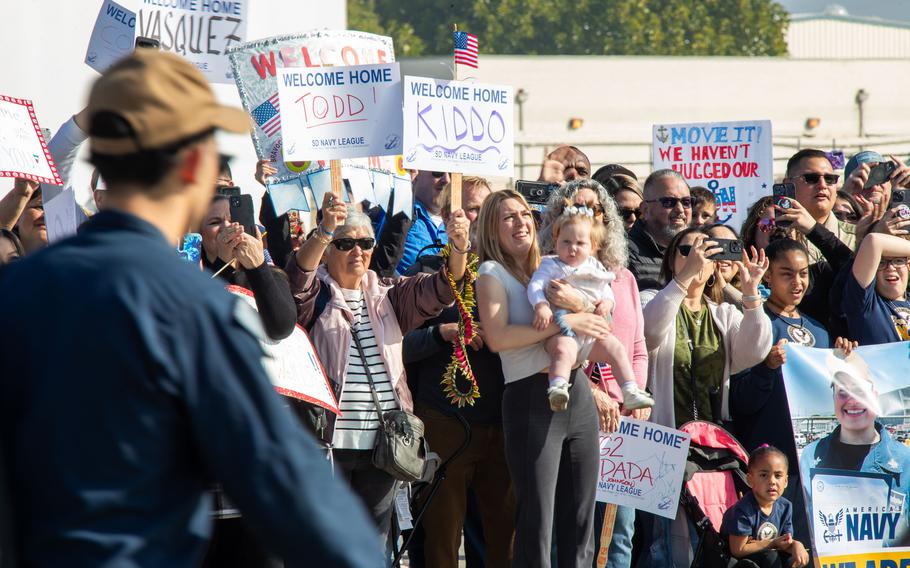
133 392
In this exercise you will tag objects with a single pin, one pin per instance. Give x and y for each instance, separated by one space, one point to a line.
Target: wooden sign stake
606 535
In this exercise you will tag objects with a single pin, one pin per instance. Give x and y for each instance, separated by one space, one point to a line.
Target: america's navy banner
851 421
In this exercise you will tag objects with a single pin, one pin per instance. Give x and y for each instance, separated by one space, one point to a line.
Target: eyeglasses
437 175
897 263
812 178
684 249
346 244
670 202
846 217
627 213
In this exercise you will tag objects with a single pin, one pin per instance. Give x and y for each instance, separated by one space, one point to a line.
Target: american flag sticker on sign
268 116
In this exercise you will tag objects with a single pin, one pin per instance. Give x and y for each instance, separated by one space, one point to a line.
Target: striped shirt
356 428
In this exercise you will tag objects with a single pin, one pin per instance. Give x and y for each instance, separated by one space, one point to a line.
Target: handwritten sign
292 364
60 216
23 150
642 466
453 126
256 64
340 112
200 30
732 159
112 37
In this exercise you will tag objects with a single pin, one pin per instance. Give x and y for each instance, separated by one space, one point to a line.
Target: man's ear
189 164
413 174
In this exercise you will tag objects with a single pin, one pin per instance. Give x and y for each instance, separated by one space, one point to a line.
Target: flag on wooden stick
466 49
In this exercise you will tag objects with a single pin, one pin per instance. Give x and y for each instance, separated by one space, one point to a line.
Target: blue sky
886 9
808 379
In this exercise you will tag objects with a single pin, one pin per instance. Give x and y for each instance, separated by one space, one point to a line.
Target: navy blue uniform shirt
746 518
129 380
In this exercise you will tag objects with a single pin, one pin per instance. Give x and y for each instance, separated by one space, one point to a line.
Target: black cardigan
271 291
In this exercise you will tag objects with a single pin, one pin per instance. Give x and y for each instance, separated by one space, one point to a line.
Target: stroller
714 480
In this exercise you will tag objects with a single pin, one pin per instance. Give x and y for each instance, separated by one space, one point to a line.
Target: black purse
400 450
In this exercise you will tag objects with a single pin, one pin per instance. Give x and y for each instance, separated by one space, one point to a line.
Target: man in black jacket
666 210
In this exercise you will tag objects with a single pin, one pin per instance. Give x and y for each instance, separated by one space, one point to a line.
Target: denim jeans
620 553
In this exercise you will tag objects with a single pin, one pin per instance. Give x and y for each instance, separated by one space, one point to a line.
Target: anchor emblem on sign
662 135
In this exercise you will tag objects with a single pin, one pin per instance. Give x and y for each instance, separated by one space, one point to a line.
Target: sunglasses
437 175
812 178
767 225
684 249
627 213
346 244
846 217
670 202
896 263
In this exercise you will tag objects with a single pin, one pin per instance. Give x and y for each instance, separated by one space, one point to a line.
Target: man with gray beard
666 210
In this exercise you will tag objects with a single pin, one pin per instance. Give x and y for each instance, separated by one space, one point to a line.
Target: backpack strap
322 300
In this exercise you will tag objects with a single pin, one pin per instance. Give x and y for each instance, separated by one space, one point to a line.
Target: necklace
797 332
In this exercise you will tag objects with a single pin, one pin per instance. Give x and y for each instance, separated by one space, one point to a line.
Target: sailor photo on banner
851 421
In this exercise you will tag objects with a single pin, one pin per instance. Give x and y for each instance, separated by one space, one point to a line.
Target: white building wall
829 37
43 44
619 98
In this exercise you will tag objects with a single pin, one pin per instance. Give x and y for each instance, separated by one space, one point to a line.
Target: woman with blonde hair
628 328
552 457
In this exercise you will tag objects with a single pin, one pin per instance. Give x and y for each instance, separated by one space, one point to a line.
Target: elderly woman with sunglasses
694 345
344 302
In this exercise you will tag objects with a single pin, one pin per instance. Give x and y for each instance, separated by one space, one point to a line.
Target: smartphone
900 197
535 192
147 42
242 212
732 249
880 173
228 191
783 194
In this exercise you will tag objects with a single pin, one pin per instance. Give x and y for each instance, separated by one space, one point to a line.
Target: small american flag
466 49
268 117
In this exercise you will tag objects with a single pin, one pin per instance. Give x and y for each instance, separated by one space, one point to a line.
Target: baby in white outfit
575 263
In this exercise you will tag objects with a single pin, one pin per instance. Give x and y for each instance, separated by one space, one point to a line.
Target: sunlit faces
342 265
818 197
428 188
704 214
691 240
472 198
8 252
788 277
629 205
855 401
31 225
573 244
516 228
891 278
218 217
768 477
664 222
728 270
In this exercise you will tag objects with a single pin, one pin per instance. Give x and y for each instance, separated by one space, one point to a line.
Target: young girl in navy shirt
759 527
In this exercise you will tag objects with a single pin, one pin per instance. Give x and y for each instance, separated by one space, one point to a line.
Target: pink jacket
629 329
395 307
